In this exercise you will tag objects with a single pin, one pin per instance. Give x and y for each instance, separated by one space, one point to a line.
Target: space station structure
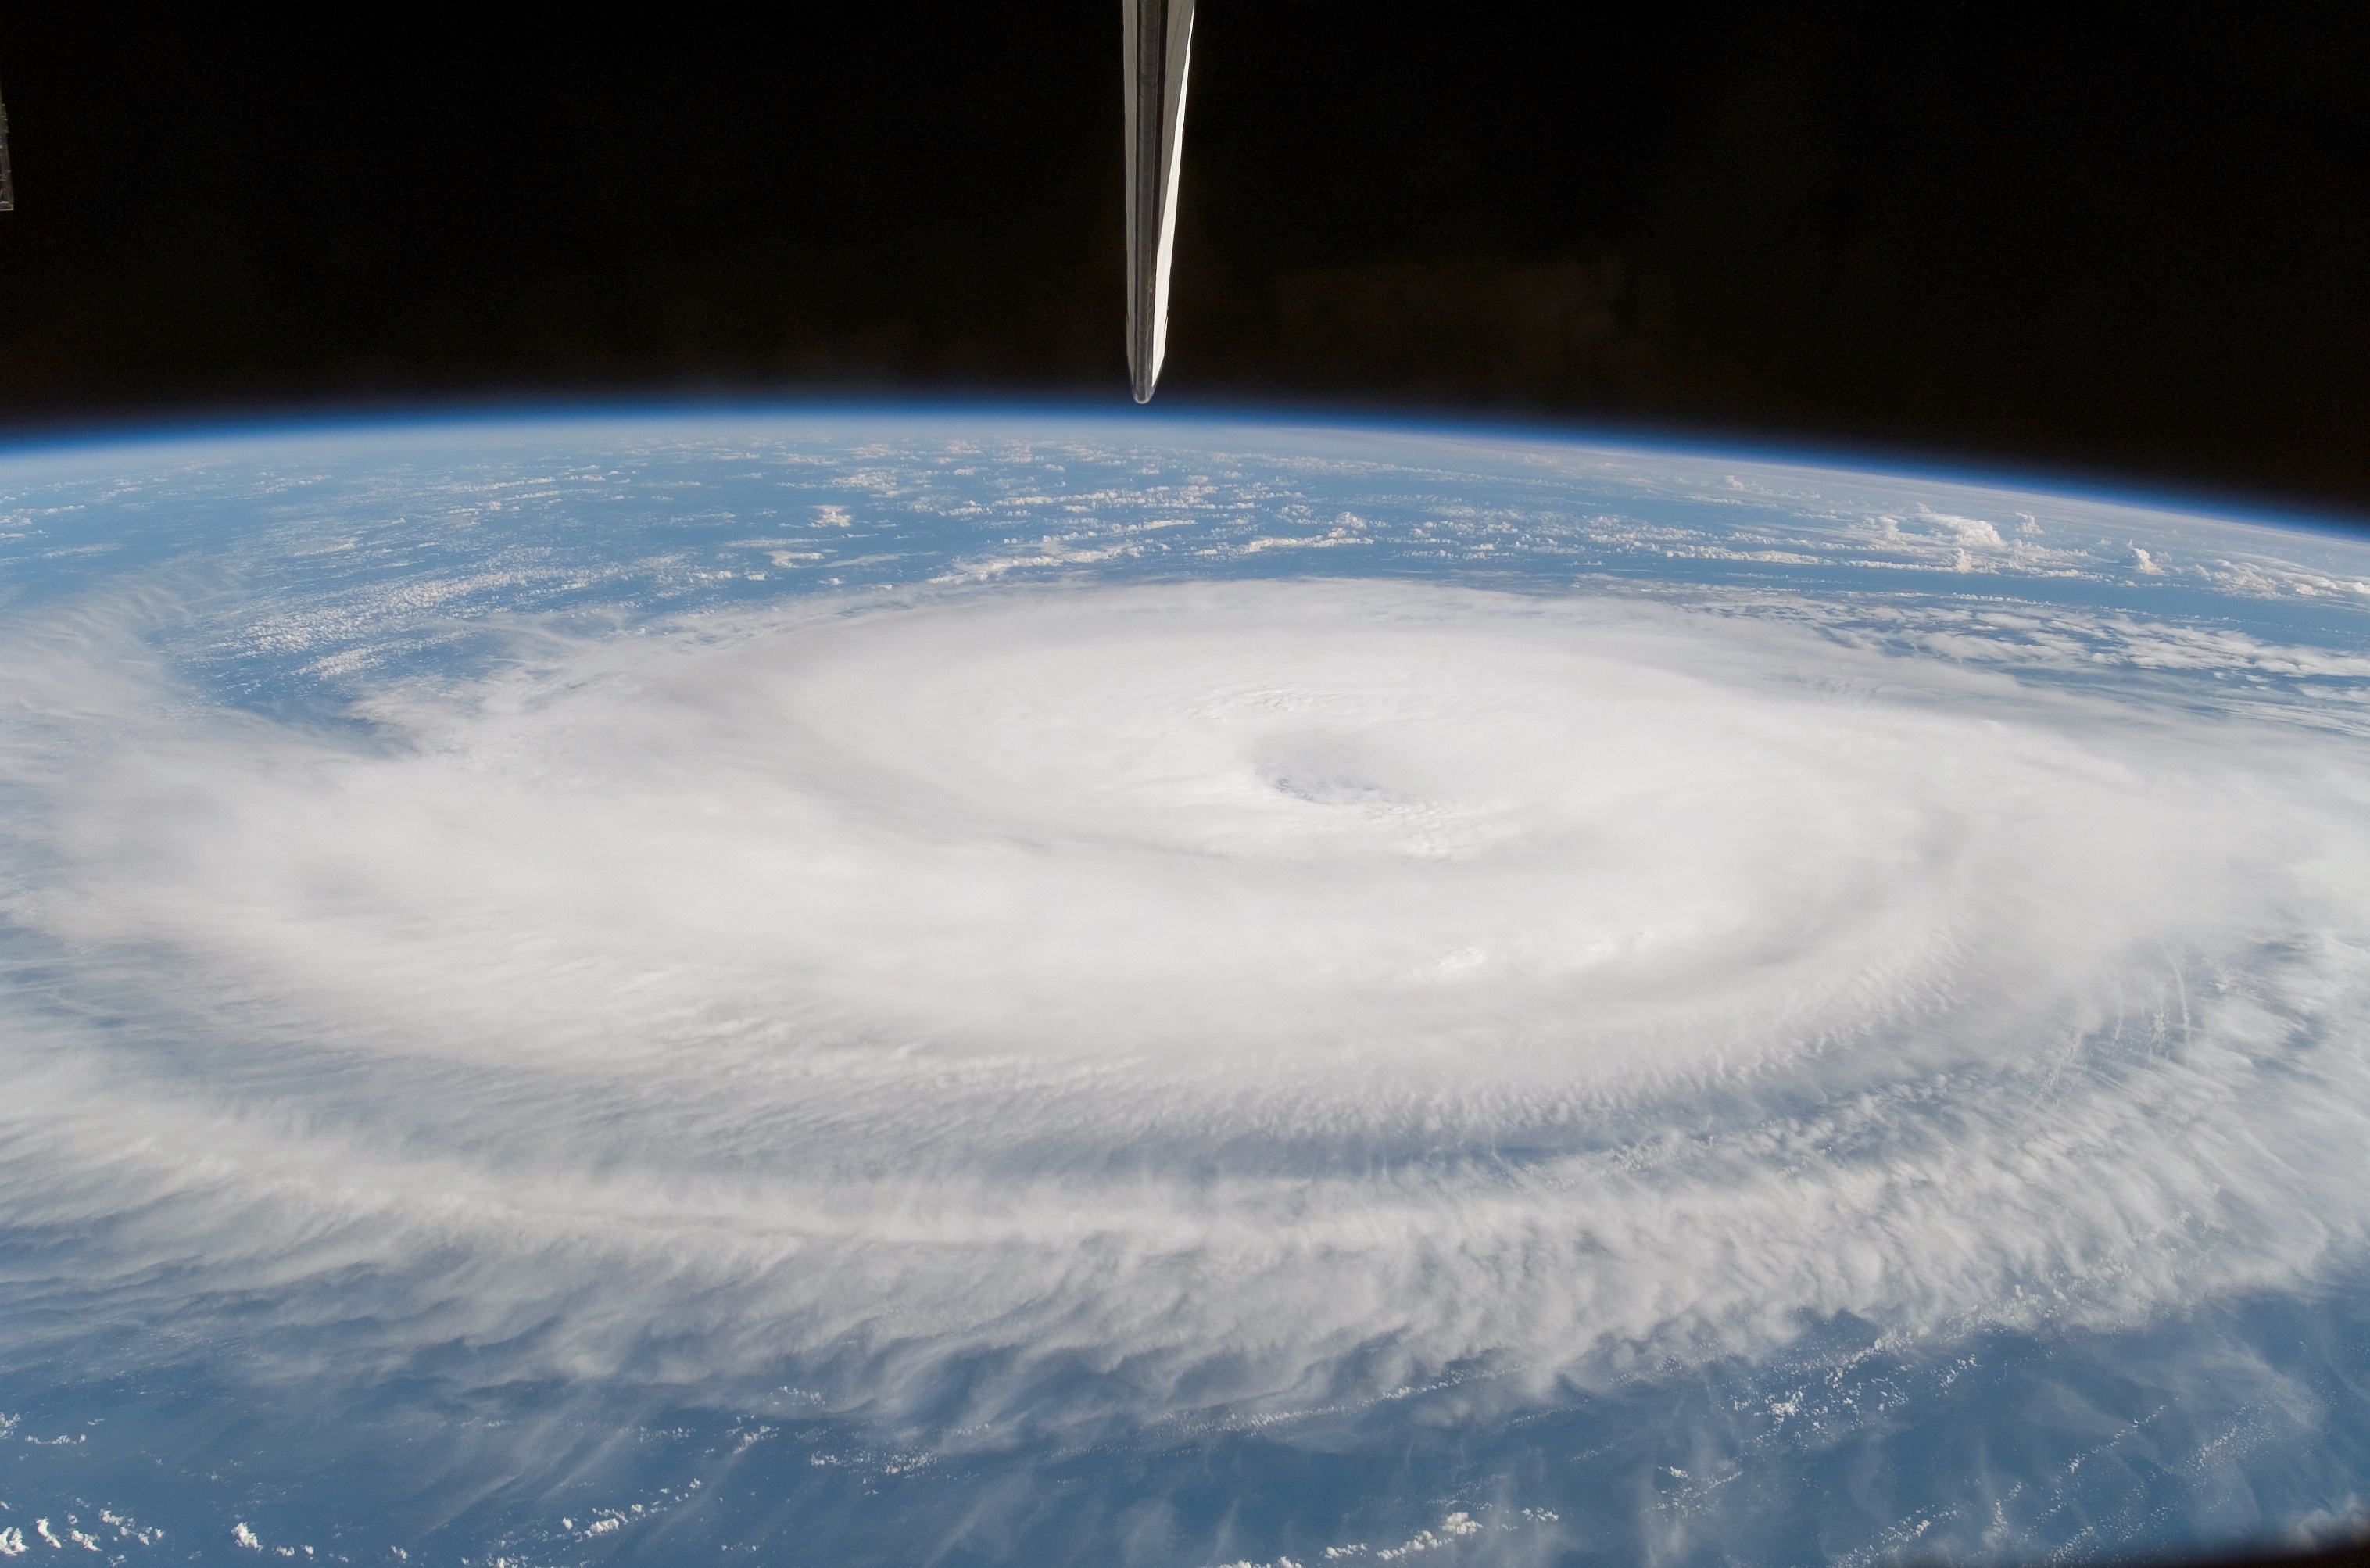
1159 35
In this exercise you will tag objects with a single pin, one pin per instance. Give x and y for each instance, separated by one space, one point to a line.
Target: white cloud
1246 992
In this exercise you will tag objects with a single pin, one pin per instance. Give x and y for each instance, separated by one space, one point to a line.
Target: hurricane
856 998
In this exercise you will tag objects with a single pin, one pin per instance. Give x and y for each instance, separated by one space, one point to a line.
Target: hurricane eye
1326 770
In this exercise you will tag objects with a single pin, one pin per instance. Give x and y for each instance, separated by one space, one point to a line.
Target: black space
2133 238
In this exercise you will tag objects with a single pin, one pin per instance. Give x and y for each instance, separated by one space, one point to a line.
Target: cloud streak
1144 998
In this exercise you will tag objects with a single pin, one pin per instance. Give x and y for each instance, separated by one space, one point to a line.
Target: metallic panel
1160 38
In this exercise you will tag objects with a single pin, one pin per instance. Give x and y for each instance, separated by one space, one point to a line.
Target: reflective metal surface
1159 47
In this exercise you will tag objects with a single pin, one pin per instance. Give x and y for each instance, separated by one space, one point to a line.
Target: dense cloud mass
1248 992
1311 949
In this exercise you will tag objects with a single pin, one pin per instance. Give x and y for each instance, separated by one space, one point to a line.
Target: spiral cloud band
1021 1002
1214 985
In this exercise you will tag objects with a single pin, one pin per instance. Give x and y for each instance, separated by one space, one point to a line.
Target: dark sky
2126 237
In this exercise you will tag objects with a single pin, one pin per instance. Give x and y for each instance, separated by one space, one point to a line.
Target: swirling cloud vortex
1230 992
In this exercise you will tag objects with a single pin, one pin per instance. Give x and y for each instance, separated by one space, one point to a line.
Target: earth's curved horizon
981 985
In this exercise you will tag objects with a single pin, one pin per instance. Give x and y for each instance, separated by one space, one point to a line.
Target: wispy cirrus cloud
1252 993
